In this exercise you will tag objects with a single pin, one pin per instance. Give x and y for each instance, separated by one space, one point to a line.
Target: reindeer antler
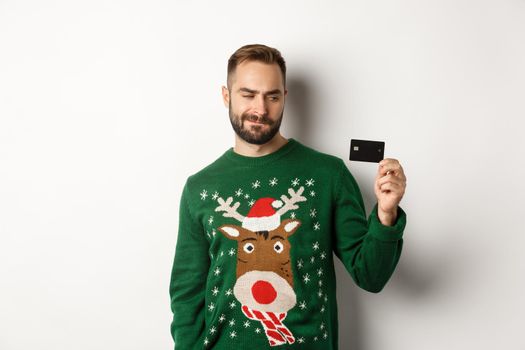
229 211
289 203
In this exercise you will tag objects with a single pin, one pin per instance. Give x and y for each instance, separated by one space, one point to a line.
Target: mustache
254 118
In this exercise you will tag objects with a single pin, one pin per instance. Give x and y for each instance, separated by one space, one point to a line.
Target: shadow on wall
297 110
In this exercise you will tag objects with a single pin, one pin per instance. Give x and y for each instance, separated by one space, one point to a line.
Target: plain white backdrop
107 106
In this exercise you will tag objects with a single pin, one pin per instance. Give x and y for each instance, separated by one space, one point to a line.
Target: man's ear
225 96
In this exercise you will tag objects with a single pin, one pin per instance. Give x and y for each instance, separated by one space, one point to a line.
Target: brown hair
255 52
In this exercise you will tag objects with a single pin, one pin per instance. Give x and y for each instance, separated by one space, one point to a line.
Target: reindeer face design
264 274
264 284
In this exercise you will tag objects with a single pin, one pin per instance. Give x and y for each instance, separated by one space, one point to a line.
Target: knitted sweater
253 266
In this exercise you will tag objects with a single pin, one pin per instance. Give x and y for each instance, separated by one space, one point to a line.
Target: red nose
263 292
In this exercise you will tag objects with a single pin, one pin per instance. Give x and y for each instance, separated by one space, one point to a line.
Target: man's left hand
389 188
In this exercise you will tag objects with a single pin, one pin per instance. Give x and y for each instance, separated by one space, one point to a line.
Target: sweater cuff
387 233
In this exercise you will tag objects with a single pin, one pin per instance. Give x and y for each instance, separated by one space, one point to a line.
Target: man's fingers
395 168
390 178
391 174
388 162
392 187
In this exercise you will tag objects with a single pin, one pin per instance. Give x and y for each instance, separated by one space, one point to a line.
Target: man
253 265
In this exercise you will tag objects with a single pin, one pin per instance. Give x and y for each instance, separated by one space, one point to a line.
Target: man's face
256 101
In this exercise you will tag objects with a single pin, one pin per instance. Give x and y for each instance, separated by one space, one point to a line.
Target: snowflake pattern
300 264
311 274
306 278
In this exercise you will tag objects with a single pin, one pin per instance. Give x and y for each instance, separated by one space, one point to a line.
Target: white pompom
277 204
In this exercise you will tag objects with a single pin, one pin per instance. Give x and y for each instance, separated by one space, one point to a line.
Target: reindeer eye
278 247
249 247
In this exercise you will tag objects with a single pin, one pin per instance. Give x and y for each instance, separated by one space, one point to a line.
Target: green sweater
253 266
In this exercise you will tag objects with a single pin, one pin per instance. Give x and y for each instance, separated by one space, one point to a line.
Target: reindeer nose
263 292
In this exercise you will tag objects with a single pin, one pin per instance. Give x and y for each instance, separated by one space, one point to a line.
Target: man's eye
274 98
248 96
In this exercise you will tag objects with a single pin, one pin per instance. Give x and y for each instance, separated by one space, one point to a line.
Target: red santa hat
262 216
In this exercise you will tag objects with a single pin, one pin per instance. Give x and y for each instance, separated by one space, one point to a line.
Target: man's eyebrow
274 92
271 92
245 89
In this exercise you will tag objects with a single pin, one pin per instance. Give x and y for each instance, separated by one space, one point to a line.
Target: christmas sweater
253 265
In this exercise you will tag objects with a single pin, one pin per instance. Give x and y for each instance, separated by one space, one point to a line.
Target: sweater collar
257 161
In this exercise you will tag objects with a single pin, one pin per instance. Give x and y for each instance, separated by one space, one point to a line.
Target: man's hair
255 52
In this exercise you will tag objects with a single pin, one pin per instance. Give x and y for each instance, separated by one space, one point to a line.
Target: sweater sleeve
188 280
368 249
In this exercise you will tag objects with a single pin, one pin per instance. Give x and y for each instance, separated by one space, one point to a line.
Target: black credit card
367 151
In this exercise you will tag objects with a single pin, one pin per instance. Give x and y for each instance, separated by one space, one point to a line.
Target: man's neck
251 150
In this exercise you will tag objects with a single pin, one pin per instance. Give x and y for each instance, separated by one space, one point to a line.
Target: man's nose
260 106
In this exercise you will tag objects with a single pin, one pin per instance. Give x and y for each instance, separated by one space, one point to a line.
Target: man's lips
256 123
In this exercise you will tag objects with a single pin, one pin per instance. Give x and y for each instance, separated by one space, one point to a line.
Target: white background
106 107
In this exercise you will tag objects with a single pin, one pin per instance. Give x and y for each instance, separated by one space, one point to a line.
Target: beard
254 134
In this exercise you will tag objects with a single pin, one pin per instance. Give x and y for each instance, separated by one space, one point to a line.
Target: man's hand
389 188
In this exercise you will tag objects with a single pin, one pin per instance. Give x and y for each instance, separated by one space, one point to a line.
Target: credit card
367 150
